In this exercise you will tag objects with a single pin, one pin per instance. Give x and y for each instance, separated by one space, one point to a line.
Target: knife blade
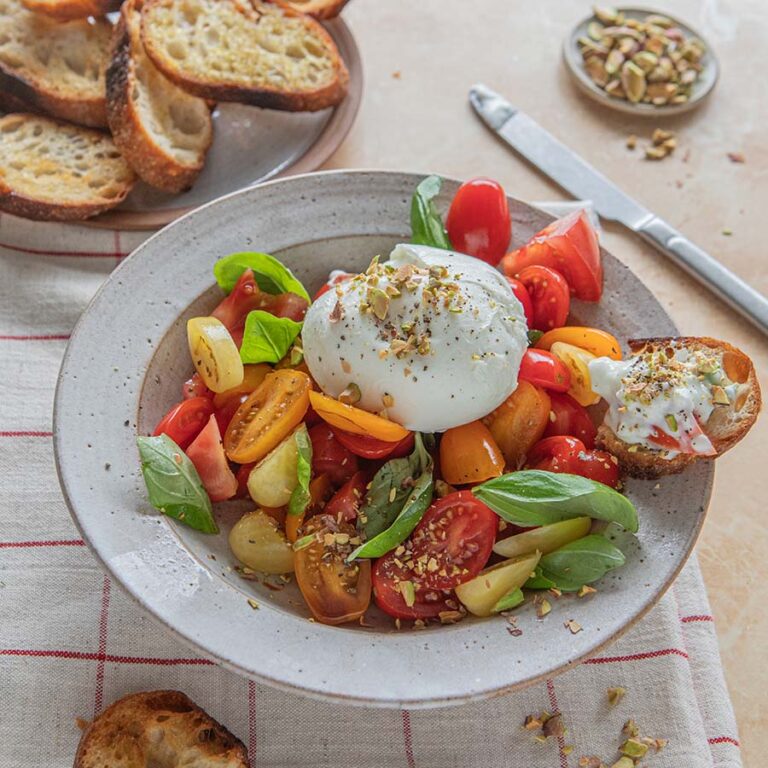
581 180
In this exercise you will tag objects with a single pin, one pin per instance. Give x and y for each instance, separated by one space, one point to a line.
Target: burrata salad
421 435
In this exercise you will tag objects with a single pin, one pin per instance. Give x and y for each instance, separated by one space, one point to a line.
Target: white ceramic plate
124 367
251 145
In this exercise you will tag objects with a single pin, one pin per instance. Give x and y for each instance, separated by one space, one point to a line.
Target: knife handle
721 281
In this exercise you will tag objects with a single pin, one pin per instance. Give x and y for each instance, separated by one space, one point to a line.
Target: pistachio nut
646 60
614 61
633 80
595 30
660 21
615 89
606 15
596 69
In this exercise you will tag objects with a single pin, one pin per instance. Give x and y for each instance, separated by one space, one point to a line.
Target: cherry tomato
330 457
207 454
469 454
195 387
320 489
356 420
478 220
568 245
371 448
593 340
336 277
567 417
577 361
522 295
519 421
389 572
184 422
242 299
253 375
242 479
345 503
549 295
544 370
569 455
335 591
227 410
267 416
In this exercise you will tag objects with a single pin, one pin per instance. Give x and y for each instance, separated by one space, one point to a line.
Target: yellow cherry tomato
214 353
253 375
355 420
577 360
599 343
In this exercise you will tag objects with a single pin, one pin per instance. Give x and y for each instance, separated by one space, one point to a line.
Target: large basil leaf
173 485
300 497
535 497
270 274
266 338
426 223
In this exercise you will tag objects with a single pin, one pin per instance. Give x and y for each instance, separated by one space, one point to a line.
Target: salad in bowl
431 434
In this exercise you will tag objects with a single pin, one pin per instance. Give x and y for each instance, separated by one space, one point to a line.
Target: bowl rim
648 601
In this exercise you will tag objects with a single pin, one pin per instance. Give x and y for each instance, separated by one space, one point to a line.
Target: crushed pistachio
585 590
590 761
630 729
554 726
542 605
350 395
573 626
253 604
408 592
631 141
624 762
615 695
633 748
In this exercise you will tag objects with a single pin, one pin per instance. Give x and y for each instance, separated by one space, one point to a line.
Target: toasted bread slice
318 9
158 728
66 10
232 50
56 171
11 103
57 67
162 131
725 427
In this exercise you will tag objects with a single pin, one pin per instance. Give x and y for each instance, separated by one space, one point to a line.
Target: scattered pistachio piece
615 695
633 748
350 395
253 604
573 626
736 157
631 141
586 590
630 729
727 231
532 723
590 761
554 726
624 762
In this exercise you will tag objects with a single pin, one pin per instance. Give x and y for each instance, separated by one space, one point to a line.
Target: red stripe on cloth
83 656
639 656
556 711
698 617
51 543
25 433
98 699
408 738
252 723
724 740
73 254
41 337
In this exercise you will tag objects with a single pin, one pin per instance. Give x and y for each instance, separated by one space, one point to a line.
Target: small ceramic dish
701 88
124 368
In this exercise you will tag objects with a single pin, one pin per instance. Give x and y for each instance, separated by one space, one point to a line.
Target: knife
582 181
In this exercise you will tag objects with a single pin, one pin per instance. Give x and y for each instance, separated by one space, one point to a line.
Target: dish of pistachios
640 61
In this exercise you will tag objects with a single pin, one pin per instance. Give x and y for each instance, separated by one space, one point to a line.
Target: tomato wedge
330 457
549 295
370 448
345 503
568 245
184 422
599 343
207 454
478 221
567 417
544 370
243 298
267 416
469 454
335 591
356 420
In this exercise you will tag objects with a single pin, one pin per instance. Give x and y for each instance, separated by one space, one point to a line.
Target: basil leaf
266 338
390 488
413 510
534 336
270 274
509 601
426 223
300 497
173 485
578 563
535 497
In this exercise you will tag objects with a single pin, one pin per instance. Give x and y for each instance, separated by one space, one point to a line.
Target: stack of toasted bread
67 73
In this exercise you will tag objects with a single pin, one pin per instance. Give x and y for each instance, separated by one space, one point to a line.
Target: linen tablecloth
71 642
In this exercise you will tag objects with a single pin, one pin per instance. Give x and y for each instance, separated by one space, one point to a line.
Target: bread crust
317 9
129 723
325 96
129 132
721 428
67 10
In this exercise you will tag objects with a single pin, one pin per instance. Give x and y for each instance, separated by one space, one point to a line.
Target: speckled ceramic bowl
124 368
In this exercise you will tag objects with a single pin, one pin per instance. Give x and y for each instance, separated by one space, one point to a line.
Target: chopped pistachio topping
615 695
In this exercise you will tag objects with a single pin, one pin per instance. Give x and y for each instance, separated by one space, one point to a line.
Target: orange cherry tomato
253 375
356 420
519 422
319 490
469 454
599 343
267 416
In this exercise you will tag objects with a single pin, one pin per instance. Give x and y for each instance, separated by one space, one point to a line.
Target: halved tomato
549 295
370 448
469 454
346 502
599 343
207 454
356 420
567 417
184 422
330 457
544 370
568 455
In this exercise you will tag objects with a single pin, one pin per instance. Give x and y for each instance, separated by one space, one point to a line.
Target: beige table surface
421 57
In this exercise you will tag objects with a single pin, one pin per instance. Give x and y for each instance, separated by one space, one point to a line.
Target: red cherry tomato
549 294
522 295
544 370
567 417
330 457
568 245
345 503
242 475
559 445
457 532
207 454
478 220
185 421
567 454
289 305
195 387
336 277
370 448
